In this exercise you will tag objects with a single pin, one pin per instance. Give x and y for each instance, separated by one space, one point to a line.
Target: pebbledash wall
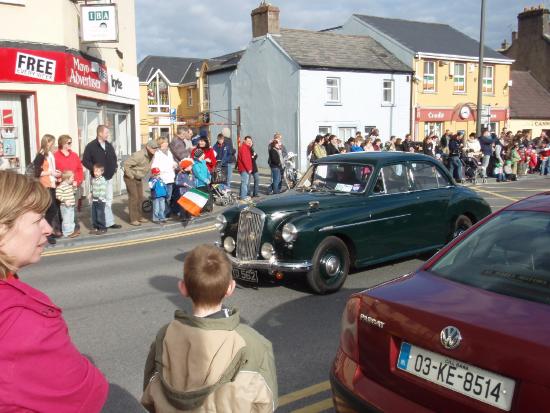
51 82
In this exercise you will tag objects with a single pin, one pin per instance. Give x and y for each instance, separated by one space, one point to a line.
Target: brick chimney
265 19
533 23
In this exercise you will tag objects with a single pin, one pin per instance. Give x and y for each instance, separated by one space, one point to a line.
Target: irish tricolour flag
193 201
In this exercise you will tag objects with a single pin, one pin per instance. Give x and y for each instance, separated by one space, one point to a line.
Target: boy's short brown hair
207 275
66 174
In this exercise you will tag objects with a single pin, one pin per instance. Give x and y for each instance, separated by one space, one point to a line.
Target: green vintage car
355 209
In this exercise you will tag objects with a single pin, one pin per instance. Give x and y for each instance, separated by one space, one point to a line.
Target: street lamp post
480 69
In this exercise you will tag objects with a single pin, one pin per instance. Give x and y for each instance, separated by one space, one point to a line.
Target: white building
63 73
301 83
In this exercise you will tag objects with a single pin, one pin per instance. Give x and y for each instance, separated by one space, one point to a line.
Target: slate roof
528 98
225 62
176 69
422 37
338 51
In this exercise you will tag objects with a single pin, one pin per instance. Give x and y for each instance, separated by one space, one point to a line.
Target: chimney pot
265 19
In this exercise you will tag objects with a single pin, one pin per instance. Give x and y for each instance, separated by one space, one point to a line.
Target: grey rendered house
301 83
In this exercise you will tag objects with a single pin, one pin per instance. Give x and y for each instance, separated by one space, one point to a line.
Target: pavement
127 231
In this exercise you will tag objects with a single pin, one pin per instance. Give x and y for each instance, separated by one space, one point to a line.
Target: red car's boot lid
416 309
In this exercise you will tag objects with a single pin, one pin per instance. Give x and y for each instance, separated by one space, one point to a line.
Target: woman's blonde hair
45 143
19 194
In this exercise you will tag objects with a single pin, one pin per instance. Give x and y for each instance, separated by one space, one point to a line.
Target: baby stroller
473 171
222 196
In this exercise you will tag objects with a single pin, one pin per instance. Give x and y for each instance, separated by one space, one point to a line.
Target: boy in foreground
208 361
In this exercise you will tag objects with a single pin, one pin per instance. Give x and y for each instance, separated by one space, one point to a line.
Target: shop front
54 90
531 127
461 118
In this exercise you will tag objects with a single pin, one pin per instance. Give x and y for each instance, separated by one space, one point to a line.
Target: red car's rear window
510 255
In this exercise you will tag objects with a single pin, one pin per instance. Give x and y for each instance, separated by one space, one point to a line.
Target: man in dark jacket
100 151
455 166
486 142
223 156
226 132
408 143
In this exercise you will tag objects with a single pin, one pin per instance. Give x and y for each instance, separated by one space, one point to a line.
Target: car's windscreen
509 255
334 177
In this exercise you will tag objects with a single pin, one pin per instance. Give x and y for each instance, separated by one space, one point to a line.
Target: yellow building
173 91
444 94
444 60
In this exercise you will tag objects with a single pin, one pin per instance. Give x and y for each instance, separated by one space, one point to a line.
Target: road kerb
318 407
303 393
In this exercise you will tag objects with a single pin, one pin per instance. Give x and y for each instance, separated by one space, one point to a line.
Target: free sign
35 66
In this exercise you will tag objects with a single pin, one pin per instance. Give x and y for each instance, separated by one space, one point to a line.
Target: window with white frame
387 92
488 81
158 100
345 133
459 78
428 82
333 90
323 130
189 97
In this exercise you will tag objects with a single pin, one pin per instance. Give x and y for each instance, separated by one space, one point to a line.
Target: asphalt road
115 298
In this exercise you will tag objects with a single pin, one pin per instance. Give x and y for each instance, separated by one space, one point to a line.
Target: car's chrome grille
251 225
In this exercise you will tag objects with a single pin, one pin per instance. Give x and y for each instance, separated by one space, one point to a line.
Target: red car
467 332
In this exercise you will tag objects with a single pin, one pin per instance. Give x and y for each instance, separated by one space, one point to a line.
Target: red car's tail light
348 334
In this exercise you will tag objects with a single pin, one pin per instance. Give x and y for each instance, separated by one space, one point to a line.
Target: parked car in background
354 209
467 332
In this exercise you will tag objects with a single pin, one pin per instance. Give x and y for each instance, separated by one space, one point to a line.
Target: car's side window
442 180
379 187
423 176
395 178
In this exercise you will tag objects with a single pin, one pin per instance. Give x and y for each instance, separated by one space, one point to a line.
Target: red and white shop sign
433 115
499 115
45 66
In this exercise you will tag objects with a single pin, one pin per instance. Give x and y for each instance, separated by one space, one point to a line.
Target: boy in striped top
65 195
98 196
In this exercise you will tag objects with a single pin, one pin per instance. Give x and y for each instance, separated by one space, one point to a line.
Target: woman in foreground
41 370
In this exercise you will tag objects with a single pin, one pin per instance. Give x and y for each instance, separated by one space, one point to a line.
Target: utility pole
480 70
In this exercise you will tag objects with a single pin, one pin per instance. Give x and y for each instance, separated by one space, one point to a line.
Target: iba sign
98 23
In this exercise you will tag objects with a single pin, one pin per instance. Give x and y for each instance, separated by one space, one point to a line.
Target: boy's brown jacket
209 365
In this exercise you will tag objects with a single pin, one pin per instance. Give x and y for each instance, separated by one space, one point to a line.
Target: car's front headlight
290 233
221 222
229 244
267 250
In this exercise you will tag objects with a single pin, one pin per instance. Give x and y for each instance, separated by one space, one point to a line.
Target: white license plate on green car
463 378
250 276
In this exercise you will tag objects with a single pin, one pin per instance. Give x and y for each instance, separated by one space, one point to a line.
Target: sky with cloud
208 28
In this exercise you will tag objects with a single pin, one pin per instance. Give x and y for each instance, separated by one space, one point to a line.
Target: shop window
156 132
428 82
333 90
157 95
189 97
488 80
459 78
433 128
387 92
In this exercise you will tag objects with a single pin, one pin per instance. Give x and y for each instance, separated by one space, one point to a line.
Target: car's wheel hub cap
331 264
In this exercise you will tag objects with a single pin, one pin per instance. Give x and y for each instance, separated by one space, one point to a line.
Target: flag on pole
193 201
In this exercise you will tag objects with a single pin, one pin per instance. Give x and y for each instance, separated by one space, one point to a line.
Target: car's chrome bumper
271 265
